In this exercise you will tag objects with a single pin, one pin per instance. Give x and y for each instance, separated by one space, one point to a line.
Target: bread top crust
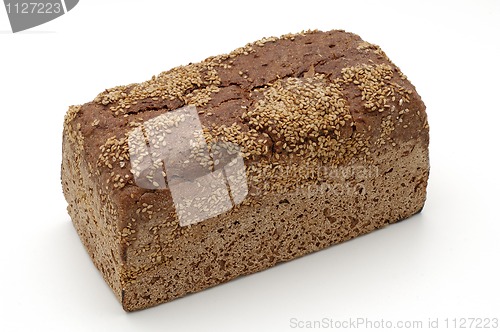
308 98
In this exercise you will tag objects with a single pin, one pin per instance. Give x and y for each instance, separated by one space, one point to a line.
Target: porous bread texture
335 143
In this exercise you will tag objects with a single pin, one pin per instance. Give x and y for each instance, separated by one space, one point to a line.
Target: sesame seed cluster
376 85
297 111
145 143
192 84
249 141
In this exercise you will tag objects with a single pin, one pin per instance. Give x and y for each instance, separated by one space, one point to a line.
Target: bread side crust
93 214
359 199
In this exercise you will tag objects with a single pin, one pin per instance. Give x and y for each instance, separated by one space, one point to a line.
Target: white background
442 263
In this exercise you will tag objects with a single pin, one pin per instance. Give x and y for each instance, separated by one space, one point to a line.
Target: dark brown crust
227 90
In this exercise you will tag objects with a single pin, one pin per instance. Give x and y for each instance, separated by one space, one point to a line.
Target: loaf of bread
229 166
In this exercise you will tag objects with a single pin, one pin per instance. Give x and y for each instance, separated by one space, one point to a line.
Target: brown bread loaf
228 166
